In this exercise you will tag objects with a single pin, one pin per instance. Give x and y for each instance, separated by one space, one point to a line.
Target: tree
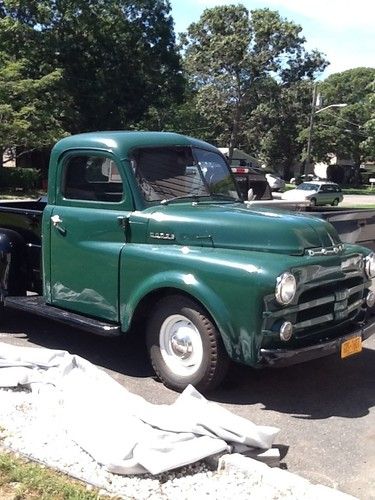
274 124
229 54
117 57
346 132
31 110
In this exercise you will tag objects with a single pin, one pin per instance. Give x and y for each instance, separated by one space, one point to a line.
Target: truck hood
236 226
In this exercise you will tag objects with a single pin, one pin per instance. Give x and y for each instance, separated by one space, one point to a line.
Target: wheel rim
181 345
335 202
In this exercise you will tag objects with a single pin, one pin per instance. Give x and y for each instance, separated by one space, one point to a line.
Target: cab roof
121 143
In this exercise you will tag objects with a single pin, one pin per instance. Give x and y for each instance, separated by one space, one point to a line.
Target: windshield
308 187
182 172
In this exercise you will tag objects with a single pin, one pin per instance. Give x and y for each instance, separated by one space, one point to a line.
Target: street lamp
330 106
314 112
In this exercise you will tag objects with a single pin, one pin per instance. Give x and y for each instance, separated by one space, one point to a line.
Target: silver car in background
316 192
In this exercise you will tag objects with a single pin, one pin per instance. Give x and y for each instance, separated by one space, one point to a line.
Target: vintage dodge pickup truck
149 229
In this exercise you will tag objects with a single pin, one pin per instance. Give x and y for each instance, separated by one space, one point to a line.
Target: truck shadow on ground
126 355
315 390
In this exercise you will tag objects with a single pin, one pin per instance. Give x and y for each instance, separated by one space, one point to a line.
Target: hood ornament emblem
162 236
334 250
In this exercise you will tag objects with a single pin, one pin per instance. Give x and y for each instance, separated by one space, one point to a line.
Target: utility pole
308 169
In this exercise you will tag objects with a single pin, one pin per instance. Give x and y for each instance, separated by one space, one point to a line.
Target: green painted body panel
225 255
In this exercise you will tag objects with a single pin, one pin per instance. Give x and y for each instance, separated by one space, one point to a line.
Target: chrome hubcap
181 345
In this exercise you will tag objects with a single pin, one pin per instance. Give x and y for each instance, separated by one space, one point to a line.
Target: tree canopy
241 79
26 120
232 55
116 57
347 132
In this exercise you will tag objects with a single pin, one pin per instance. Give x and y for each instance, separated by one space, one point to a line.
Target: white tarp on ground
119 429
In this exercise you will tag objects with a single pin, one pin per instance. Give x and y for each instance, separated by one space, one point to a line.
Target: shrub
14 177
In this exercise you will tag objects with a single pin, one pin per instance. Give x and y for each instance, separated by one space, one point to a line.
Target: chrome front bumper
286 357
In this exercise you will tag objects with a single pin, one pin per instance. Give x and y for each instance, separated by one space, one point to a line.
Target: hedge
14 177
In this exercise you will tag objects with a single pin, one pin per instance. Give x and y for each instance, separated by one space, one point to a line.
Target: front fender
188 284
230 284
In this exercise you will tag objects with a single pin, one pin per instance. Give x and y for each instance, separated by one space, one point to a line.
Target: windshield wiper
194 197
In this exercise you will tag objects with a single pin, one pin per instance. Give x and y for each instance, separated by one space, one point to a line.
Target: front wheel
185 346
313 202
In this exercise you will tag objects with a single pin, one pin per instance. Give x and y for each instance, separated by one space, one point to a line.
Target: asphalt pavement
324 408
349 200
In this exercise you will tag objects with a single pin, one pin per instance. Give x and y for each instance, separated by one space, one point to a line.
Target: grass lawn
24 480
364 205
365 190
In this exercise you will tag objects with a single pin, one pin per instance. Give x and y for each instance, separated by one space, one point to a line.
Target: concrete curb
275 482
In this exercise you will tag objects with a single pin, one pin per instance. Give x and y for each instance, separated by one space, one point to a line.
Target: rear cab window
91 178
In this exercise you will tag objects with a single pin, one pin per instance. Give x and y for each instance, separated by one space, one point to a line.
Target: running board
36 304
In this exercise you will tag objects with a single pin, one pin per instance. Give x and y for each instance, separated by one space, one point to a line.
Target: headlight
285 288
370 265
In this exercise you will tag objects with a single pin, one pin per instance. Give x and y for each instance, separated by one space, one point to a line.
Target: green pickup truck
148 228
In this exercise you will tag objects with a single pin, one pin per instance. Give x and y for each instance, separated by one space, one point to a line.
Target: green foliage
22 480
348 132
273 126
30 111
368 144
234 58
25 178
116 57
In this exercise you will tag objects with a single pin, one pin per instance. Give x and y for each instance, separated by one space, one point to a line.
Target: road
350 200
324 408
353 200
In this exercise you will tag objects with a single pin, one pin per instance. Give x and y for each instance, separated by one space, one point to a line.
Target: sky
344 30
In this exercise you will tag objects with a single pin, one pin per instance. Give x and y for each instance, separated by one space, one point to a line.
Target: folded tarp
121 430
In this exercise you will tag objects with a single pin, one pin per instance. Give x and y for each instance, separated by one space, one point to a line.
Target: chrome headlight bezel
370 265
283 295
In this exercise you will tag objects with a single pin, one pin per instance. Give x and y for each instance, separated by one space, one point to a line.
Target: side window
94 178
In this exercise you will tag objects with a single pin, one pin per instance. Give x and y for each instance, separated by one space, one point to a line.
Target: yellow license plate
351 346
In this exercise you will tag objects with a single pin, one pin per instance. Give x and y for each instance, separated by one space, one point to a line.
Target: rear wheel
185 346
335 202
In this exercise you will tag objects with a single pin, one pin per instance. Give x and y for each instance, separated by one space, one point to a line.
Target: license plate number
351 346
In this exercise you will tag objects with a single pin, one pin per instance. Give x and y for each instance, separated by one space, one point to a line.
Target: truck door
86 234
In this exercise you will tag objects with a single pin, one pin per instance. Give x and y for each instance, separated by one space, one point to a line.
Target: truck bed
25 218
354 225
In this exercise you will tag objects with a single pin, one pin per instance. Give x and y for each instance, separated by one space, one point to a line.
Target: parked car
251 182
276 183
318 193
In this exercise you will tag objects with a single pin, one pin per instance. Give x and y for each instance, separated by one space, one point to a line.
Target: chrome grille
320 306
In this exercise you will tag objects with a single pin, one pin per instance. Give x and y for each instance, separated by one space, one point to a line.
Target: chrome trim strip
314 321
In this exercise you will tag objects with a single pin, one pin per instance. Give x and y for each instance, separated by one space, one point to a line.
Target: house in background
239 155
340 170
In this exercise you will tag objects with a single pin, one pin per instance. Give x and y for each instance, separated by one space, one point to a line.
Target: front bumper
286 357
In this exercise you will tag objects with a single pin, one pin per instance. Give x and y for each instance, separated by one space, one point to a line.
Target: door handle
123 221
56 221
